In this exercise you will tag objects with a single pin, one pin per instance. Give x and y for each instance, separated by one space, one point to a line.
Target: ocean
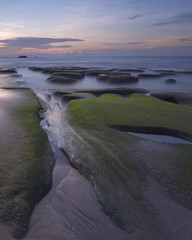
175 63
37 81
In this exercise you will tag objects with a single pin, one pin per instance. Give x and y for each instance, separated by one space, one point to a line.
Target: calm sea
104 62
37 81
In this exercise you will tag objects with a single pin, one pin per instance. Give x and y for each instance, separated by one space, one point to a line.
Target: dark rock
149 75
75 96
75 75
39 69
97 72
132 70
170 80
16 75
173 71
174 97
117 78
121 91
51 70
11 70
61 79
22 56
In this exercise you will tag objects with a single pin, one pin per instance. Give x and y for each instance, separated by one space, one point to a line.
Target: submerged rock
74 96
16 75
117 78
61 79
149 75
174 97
97 72
132 70
75 75
22 56
10 70
170 80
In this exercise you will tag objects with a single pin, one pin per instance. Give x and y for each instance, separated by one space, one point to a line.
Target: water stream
71 209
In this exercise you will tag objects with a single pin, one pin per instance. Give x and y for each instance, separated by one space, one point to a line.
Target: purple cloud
40 43
134 17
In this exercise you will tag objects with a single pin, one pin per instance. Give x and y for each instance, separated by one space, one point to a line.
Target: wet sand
71 210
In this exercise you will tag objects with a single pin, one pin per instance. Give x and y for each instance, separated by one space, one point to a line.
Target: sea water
37 80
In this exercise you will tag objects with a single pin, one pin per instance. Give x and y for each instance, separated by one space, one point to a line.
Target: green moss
120 163
25 169
138 110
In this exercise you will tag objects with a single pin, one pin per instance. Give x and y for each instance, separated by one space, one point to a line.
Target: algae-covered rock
61 79
119 164
75 75
174 97
96 72
74 96
149 75
10 70
26 160
117 78
132 70
170 80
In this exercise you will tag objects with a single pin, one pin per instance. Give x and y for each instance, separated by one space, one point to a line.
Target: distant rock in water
170 80
117 78
10 70
149 75
22 56
61 79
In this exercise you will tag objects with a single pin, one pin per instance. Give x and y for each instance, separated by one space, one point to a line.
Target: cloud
135 42
180 18
186 39
134 17
38 43
111 44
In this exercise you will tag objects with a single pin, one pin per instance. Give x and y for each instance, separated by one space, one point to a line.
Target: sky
111 27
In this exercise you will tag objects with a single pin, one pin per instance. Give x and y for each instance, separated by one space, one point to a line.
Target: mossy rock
75 75
61 79
132 70
26 162
171 81
118 163
149 75
96 72
117 78
75 96
174 97
10 70
120 91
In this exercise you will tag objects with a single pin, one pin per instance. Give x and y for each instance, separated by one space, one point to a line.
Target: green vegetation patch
138 110
25 166
119 164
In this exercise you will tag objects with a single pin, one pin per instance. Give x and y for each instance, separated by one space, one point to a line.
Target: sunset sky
132 27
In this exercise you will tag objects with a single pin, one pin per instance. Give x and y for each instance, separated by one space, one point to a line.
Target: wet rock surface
175 97
11 70
117 78
171 81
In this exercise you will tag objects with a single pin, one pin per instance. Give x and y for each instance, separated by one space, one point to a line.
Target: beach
107 181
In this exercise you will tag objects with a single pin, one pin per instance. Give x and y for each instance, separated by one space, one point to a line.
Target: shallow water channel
71 209
161 138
